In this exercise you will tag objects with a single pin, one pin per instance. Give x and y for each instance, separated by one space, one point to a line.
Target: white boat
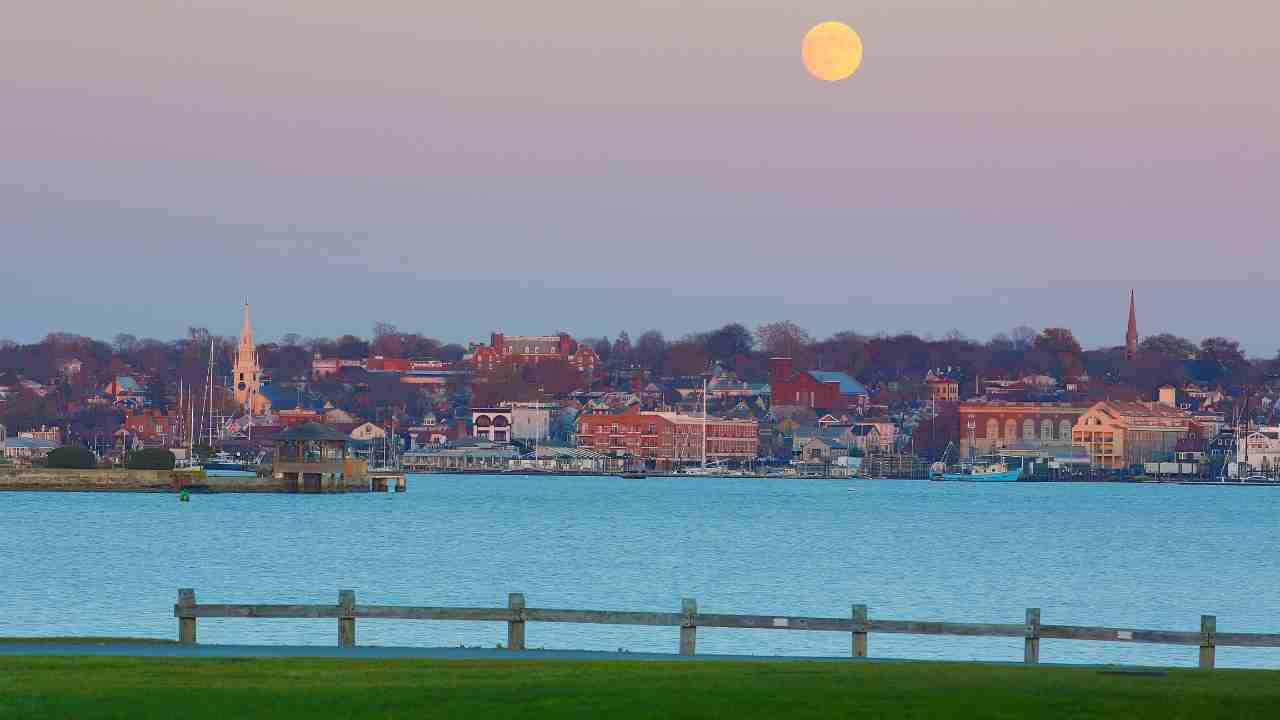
996 471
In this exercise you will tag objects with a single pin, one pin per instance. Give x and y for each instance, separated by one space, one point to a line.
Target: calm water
1150 556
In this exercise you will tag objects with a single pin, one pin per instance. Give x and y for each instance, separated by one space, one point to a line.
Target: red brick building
667 440
528 349
986 426
152 428
818 389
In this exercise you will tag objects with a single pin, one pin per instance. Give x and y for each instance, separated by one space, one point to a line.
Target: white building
530 421
1259 451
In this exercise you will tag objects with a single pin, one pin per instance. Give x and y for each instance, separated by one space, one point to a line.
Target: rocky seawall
125 480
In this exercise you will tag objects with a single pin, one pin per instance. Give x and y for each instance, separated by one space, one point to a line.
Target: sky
456 168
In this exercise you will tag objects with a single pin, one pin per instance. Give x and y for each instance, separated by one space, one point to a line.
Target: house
367 431
819 447
817 389
873 436
125 392
941 387
152 428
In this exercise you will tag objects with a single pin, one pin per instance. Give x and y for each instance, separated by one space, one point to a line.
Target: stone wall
130 480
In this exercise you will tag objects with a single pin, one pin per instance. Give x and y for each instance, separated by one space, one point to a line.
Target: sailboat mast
209 384
704 423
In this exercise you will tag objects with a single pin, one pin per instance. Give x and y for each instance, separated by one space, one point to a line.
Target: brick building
529 349
666 440
817 389
987 426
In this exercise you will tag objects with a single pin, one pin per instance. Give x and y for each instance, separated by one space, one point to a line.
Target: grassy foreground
194 688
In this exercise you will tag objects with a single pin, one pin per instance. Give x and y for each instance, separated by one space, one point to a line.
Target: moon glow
831 51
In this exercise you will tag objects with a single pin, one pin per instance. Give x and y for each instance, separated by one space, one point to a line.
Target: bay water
1119 555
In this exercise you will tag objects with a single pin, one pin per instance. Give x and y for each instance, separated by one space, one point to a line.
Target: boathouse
317 458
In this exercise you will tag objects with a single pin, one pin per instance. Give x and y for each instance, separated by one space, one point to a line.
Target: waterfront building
530 349
1120 434
666 440
246 373
468 455
566 459
817 389
988 426
1258 451
316 458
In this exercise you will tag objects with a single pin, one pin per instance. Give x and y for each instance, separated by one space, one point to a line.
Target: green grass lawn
191 688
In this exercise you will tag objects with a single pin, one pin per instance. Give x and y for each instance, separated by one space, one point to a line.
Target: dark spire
1131 337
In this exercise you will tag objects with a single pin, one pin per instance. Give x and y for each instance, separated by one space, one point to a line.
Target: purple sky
459 167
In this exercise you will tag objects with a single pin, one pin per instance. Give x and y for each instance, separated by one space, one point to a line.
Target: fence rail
859 625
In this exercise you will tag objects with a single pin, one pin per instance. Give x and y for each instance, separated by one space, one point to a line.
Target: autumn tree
783 338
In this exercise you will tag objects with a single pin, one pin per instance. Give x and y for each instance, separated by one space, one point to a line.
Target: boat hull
1007 476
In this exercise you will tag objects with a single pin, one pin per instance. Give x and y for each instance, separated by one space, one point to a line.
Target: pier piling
688 631
1031 649
347 618
515 627
1208 641
186 623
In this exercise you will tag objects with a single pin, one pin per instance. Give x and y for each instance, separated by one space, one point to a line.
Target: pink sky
454 167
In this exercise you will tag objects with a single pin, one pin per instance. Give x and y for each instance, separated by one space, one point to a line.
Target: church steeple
247 376
1131 337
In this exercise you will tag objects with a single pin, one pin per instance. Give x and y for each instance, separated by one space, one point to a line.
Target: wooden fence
859 625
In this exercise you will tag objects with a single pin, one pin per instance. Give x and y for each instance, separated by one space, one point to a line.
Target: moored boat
996 471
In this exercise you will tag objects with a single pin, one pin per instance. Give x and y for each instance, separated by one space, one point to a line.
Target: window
1028 429
1046 429
993 429
1064 429
1010 429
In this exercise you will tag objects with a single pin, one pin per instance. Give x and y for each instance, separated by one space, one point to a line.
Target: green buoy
184 496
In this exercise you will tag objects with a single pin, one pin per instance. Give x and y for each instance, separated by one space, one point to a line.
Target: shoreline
166 481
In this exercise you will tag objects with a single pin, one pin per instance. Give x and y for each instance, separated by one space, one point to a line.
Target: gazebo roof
311 432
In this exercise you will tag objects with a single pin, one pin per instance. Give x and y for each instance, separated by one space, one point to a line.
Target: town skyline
1259 350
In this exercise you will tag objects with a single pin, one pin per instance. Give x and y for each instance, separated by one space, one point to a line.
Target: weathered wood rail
859 625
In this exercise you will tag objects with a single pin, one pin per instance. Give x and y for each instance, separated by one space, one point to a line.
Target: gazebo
314 458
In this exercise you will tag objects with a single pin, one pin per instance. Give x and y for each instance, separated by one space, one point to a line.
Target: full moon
831 51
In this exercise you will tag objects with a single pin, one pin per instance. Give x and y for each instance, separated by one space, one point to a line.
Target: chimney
779 370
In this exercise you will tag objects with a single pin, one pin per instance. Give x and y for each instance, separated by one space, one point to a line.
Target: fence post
1208 641
688 631
186 624
1031 649
515 627
859 631
347 620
